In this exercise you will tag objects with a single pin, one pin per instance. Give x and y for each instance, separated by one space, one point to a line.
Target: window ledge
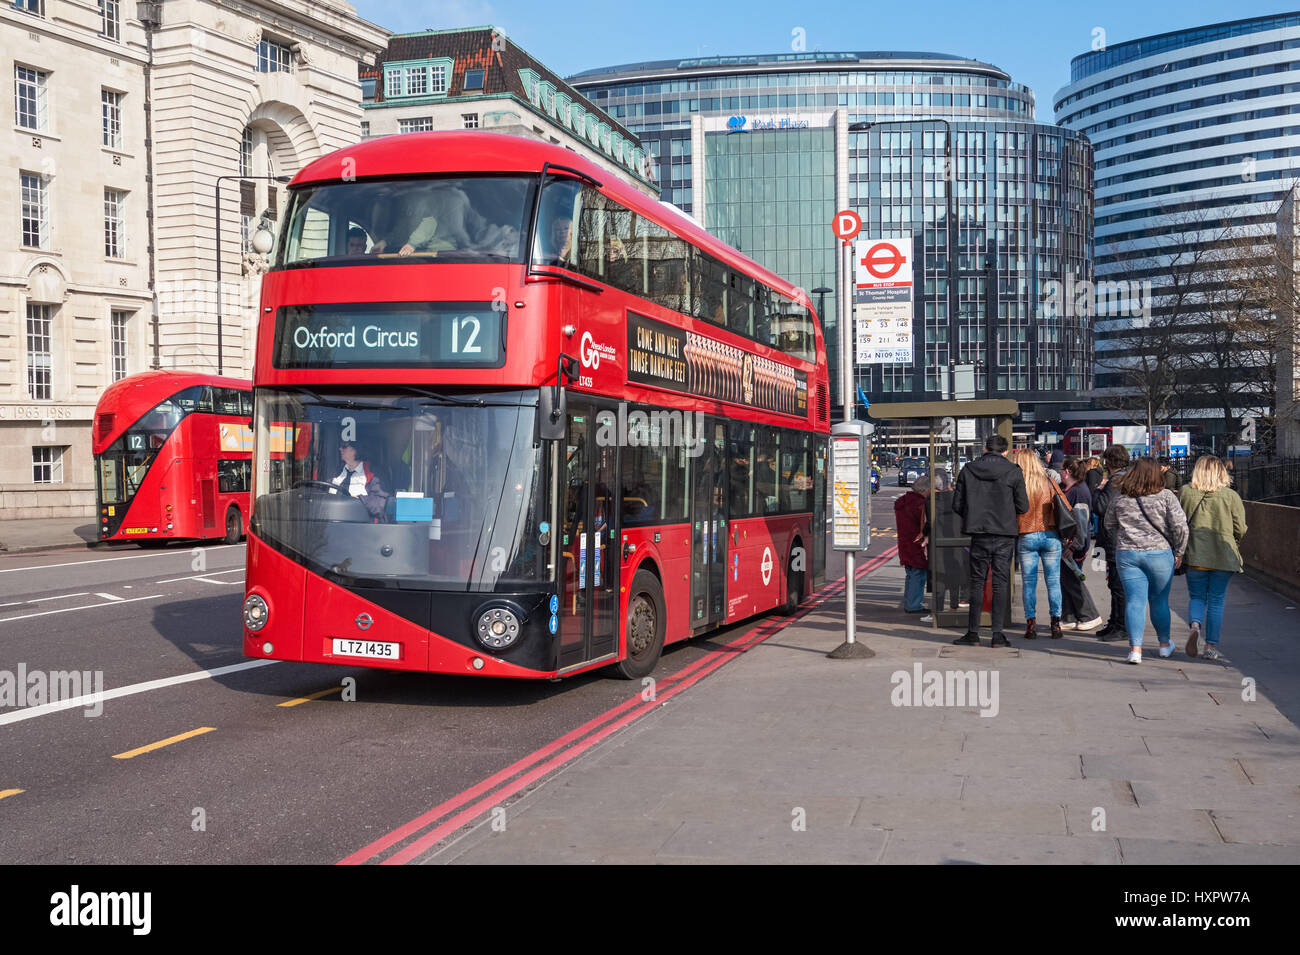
37 133
113 151
35 249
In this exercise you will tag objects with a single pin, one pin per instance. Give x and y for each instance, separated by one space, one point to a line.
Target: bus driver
359 481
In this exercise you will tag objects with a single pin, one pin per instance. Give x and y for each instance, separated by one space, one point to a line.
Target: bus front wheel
646 619
234 526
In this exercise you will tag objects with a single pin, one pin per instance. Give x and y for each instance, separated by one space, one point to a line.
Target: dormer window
416 78
473 80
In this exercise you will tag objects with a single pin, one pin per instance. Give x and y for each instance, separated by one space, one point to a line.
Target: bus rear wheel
793 588
234 526
646 620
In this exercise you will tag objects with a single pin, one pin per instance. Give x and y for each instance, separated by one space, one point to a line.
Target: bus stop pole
846 395
857 464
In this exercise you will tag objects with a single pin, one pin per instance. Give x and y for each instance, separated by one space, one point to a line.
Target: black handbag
1067 525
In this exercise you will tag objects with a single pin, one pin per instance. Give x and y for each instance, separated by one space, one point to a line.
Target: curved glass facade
765 149
1197 126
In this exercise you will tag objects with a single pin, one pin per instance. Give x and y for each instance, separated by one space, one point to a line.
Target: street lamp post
821 294
217 224
950 190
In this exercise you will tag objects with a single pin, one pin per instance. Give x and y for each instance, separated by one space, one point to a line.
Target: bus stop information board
851 486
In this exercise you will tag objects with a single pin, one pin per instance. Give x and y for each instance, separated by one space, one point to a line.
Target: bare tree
1162 294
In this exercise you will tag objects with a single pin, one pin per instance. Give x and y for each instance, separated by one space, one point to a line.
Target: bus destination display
389 335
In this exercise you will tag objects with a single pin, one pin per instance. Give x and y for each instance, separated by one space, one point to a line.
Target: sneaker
1069 625
969 640
1192 637
1083 625
1106 631
928 618
1166 650
1113 636
963 604
1000 640
1135 655
1211 652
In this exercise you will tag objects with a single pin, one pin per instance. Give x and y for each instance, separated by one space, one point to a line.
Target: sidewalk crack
1128 784
1147 745
1242 767
1262 730
1119 847
1082 774
1065 815
1215 823
962 795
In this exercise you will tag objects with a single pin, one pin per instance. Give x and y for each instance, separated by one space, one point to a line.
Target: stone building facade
478 78
123 116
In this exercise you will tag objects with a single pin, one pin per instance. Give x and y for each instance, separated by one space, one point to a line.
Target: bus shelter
957 431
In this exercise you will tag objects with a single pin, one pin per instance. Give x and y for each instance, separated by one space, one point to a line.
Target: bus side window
762 315
741 467
246 403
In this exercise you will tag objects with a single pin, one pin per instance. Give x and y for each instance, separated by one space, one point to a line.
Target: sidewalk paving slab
1185 769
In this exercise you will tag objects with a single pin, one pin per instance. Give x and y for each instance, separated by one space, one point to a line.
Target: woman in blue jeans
1149 529
1216 522
1038 543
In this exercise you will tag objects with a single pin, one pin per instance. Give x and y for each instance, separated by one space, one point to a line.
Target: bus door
588 539
709 487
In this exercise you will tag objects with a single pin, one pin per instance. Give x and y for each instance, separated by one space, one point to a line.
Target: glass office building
1199 128
763 150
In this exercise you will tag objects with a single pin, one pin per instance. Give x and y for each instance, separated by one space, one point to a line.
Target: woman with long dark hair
1149 530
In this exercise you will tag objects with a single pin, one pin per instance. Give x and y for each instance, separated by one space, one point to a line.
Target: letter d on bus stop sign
846 225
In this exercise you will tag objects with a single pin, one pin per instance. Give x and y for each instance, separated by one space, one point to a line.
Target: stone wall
1270 547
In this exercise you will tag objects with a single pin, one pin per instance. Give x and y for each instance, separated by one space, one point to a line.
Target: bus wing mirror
552 415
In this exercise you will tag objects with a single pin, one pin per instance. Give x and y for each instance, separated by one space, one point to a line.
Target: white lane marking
110 596
91 699
204 577
105 560
46 613
84 593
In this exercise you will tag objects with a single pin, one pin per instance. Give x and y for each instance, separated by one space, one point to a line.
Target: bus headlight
499 626
256 613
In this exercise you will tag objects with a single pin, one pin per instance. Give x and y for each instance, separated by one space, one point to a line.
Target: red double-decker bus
173 458
515 418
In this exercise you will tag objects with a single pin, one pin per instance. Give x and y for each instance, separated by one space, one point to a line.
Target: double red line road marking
479 799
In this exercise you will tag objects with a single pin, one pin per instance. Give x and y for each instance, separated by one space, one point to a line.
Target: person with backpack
1077 609
1149 531
1216 523
1115 459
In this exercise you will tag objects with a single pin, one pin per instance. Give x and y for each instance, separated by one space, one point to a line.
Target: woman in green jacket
1216 521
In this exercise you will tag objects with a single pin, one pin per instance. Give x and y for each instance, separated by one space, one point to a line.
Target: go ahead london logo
736 124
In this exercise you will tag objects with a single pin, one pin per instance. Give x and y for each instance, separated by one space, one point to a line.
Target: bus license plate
367 648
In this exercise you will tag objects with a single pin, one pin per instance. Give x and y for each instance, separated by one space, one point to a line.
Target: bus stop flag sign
882 301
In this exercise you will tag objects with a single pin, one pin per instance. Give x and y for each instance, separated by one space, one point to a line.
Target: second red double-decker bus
173 455
515 418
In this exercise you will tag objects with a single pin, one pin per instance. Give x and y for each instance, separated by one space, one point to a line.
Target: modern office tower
934 149
1196 136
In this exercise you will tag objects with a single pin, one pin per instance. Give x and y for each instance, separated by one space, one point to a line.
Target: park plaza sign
767 123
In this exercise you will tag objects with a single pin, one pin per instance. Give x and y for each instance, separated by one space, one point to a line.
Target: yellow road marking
313 696
10 792
165 742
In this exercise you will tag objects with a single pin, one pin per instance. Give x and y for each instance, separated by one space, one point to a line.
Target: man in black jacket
989 497
1116 460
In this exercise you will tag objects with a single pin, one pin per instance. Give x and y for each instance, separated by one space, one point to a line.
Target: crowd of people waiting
1149 525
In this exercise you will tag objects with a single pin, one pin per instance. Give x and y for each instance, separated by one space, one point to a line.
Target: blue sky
1033 41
